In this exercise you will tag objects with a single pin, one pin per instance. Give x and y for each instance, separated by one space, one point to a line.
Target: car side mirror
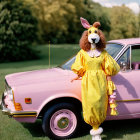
124 66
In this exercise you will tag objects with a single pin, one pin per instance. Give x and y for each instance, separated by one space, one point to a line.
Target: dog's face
93 36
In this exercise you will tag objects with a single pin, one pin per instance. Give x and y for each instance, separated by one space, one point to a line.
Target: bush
18 31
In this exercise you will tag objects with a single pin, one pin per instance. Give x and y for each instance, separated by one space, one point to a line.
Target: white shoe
97 137
96 133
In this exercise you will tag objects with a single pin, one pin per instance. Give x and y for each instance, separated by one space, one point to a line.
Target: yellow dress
93 71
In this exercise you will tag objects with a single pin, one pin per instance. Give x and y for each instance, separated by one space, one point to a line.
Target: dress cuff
112 98
111 87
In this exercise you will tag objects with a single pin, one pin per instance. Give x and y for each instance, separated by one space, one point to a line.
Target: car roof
129 41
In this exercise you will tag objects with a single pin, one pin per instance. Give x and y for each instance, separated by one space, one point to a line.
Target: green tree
18 30
59 21
95 12
98 13
123 23
53 17
75 28
92 12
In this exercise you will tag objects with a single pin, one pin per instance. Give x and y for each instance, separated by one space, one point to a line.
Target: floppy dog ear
84 44
85 23
102 43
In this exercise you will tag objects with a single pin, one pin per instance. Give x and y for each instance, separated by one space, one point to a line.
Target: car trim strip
18 116
128 100
24 114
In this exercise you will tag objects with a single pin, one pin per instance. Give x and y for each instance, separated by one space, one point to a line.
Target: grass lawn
13 130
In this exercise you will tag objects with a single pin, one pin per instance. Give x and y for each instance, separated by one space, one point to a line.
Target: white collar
94 52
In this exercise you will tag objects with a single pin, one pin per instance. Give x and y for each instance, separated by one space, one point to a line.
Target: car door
127 83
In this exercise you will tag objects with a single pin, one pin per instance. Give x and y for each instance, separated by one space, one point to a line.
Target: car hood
37 76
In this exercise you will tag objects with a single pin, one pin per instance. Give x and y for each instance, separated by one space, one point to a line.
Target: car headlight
10 94
8 91
5 93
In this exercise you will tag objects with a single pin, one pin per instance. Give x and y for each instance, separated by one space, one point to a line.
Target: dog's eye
95 31
89 31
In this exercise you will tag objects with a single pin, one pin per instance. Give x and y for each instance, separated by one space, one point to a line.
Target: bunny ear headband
86 24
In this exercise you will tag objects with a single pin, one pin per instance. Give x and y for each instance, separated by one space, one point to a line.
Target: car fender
51 98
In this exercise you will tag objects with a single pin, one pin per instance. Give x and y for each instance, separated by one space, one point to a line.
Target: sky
132 4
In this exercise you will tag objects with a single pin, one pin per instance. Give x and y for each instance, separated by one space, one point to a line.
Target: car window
124 60
112 48
136 53
67 65
135 57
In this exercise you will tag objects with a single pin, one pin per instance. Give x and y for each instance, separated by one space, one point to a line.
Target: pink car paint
126 42
43 86
128 88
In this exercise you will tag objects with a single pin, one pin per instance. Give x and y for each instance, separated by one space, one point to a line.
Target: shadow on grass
34 128
112 129
83 130
119 128
116 129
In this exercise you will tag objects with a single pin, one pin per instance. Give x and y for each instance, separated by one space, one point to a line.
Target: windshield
112 48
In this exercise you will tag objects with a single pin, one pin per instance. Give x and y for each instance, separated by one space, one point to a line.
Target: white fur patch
93 36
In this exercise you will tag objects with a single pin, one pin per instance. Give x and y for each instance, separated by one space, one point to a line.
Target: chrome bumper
5 110
10 113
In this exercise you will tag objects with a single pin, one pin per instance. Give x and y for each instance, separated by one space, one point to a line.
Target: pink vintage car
50 95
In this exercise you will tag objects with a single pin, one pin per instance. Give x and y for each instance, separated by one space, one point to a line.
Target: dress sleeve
78 66
110 66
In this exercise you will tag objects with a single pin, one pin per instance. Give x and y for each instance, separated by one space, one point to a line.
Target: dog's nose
93 40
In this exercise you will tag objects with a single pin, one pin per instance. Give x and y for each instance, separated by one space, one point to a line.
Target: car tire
61 121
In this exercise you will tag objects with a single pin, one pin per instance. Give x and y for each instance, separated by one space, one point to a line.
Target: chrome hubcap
63 123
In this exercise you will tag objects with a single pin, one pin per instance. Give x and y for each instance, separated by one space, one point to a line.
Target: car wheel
61 121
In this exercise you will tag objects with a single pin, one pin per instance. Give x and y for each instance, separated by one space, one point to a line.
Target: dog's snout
93 39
